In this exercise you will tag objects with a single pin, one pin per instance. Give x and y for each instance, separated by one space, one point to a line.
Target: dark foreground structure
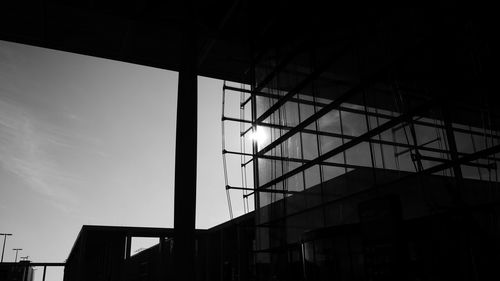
403 231
21 271
379 135
25 270
104 253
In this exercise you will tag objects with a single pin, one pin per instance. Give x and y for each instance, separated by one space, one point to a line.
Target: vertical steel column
185 154
452 145
128 246
161 269
44 271
124 263
253 108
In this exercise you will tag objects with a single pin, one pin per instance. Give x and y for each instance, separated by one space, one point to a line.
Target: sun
259 135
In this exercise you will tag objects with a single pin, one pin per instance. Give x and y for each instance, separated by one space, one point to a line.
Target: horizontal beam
351 143
332 105
435 169
372 114
242 105
465 159
306 81
408 147
491 166
131 231
310 120
29 264
397 128
296 160
263 190
417 147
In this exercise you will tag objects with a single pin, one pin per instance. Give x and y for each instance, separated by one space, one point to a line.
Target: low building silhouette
20 271
103 253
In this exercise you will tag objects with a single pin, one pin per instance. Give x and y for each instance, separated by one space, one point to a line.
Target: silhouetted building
372 139
20 271
223 252
369 137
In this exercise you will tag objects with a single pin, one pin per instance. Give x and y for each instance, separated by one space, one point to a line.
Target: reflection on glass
259 135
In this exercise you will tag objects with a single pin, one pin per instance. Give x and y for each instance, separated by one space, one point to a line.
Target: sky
85 140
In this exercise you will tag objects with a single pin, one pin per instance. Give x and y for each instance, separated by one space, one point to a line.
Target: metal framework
326 132
401 122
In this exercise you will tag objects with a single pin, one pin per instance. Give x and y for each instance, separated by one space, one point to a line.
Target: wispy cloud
26 144
38 133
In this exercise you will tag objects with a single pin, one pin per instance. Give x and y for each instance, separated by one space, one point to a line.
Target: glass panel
330 122
310 144
353 124
294 147
312 176
329 143
330 172
296 182
306 111
359 155
313 186
263 104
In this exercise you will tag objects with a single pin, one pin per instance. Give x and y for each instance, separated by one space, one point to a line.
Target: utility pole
17 250
4 238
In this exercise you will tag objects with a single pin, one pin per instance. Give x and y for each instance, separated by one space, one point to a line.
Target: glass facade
325 128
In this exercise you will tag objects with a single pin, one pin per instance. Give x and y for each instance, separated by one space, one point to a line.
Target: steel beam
310 120
311 77
28 264
416 121
408 147
436 159
351 143
420 146
291 159
466 159
435 169
452 145
44 272
186 154
332 105
263 190
128 246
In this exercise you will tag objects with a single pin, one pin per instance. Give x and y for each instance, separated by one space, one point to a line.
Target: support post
128 246
3 248
17 250
4 239
185 155
452 144
161 259
44 271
